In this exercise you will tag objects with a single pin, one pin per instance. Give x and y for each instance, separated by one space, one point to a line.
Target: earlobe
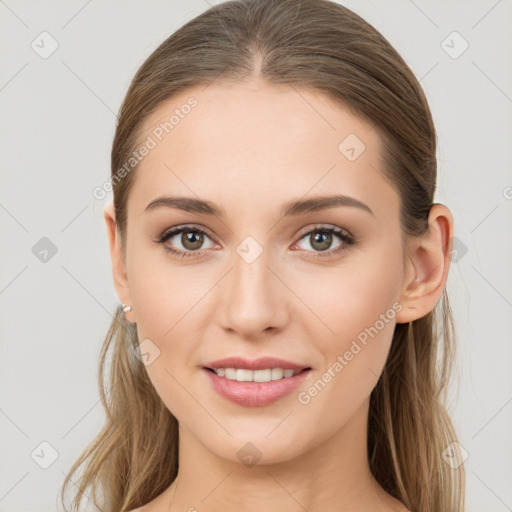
118 264
427 266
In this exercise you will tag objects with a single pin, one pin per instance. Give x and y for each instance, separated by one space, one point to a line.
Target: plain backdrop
57 121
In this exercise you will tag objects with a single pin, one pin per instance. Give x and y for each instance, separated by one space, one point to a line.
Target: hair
320 46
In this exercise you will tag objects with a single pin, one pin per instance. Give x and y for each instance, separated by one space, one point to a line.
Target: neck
331 475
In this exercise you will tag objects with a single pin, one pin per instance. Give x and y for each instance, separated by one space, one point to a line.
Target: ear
427 265
118 263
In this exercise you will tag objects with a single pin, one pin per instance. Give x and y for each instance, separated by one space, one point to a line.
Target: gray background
57 124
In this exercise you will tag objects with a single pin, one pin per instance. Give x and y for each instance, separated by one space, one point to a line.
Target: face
251 282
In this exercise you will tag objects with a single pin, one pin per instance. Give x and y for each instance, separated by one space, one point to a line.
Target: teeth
243 375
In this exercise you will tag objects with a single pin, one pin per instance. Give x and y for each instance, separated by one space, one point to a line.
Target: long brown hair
321 46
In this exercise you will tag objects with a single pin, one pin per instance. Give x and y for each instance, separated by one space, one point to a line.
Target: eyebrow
292 208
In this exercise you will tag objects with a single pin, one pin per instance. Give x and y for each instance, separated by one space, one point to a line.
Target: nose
253 298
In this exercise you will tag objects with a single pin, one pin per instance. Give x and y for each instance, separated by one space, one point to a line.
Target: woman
281 266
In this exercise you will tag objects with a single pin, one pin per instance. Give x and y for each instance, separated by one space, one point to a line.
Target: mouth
255 388
262 375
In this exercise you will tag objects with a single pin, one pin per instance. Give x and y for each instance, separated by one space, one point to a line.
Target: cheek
165 331
357 305
158 291
352 367
165 305
351 297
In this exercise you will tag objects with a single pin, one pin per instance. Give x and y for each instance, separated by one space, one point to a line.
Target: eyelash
345 237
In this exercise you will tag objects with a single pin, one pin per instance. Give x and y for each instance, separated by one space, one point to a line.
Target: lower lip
255 394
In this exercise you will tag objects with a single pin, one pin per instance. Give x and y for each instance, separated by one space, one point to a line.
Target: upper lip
261 363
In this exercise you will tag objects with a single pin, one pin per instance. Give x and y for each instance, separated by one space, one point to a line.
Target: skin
250 147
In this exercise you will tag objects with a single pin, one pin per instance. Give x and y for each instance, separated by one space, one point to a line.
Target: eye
323 239
191 239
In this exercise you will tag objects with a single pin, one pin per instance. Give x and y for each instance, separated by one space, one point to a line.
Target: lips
254 394
261 363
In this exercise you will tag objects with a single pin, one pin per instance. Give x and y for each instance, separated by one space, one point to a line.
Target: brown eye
191 239
321 239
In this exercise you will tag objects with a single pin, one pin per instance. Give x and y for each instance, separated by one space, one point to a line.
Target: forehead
250 140
246 114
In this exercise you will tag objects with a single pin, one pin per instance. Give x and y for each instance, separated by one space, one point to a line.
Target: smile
256 388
